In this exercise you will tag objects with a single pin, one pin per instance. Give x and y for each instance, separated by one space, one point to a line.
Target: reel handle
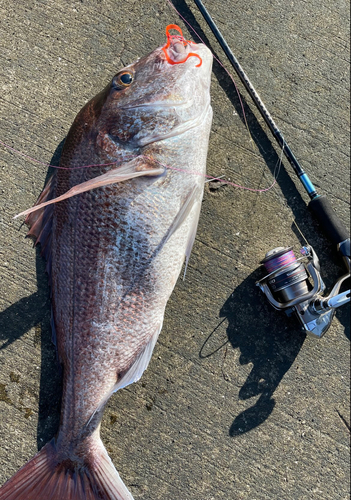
331 224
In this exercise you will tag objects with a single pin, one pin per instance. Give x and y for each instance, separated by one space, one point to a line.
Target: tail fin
45 478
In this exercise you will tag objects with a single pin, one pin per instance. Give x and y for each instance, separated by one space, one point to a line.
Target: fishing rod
286 286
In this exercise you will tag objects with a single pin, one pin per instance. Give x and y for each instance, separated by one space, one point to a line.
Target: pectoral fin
184 211
193 200
192 234
125 172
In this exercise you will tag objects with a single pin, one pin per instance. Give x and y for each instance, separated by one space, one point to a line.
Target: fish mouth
162 114
178 50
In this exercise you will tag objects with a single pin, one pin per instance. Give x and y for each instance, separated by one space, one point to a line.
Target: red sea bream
115 245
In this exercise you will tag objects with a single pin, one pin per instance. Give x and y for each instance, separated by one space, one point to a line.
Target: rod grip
329 221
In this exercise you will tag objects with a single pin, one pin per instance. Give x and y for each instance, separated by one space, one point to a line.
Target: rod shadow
265 337
308 225
259 135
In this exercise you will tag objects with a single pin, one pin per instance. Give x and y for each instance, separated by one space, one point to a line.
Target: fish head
159 96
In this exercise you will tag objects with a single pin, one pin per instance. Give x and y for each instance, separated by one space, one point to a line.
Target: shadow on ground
35 311
267 339
51 373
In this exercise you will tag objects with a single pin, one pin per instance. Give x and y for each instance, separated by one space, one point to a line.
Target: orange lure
180 38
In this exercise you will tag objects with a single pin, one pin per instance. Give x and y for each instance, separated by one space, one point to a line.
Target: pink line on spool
283 260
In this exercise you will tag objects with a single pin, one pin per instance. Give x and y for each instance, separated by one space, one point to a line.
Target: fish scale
115 250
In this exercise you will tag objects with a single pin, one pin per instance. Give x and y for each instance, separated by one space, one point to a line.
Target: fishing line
299 230
216 179
176 169
219 62
48 164
319 205
231 78
208 177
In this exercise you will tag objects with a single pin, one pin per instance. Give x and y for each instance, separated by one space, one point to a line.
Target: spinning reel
287 284
288 287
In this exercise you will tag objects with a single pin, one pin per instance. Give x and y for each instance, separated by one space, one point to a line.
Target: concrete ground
237 403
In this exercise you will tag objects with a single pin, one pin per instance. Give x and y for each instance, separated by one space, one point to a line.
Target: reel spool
287 286
287 277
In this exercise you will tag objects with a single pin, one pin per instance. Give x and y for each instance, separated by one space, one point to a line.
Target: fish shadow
30 312
51 372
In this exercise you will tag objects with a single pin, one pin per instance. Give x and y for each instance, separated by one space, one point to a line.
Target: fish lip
178 49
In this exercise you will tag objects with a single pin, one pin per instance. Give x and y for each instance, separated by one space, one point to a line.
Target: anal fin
140 364
133 374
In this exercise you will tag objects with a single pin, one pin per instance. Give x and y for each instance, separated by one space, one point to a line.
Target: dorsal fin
40 222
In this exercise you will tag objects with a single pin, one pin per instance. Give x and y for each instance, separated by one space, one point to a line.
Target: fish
115 236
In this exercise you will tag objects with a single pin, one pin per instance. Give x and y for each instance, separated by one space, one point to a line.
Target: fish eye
122 80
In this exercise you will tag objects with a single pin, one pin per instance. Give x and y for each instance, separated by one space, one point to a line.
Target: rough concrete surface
237 403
